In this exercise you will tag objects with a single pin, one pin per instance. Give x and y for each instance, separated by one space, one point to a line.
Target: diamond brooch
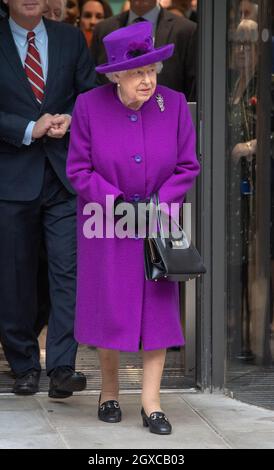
160 101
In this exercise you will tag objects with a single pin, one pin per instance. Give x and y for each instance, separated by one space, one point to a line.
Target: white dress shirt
41 42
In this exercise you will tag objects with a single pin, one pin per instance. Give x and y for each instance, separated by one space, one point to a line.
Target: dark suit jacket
70 72
179 71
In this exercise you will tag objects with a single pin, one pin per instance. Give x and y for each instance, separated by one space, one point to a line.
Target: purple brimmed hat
131 47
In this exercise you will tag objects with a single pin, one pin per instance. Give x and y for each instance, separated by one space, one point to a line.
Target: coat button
136 197
133 117
138 158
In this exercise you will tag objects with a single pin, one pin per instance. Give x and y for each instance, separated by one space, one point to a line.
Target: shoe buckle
160 416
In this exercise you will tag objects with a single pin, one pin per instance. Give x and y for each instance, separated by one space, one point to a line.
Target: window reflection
250 239
272 185
242 104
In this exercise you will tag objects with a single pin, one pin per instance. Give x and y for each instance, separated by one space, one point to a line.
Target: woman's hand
244 149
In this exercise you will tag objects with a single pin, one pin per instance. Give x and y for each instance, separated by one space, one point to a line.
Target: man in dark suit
179 71
44 66
3 10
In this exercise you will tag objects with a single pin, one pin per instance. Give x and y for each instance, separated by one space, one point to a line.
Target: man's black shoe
27 383
64 381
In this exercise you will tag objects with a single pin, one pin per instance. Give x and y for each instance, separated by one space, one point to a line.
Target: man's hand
42 126
60 125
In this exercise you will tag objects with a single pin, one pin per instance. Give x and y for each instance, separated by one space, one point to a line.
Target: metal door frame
211 290
189 290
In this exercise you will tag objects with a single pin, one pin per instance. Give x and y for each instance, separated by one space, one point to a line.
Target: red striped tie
34 69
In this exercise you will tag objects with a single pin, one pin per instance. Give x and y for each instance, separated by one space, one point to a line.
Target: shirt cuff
27 140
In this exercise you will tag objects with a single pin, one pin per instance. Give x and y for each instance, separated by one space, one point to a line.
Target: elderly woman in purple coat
129 139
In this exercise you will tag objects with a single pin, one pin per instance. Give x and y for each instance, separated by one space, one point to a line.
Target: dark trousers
43 300
52 218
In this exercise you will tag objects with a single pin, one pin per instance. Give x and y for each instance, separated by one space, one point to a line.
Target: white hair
114 76
62 8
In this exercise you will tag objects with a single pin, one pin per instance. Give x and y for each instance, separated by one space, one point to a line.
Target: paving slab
199 420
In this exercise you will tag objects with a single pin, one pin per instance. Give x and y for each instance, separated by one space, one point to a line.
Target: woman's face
138 85
92 13
71 11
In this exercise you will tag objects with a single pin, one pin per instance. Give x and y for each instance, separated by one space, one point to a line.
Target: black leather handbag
174 259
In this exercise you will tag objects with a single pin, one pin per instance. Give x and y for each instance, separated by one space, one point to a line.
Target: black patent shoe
109 411
28 383
64 381
157 422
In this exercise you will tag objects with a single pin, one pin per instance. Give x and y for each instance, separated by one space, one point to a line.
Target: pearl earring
118 84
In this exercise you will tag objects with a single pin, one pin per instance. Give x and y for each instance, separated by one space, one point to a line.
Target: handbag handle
154 203
184 243
159 219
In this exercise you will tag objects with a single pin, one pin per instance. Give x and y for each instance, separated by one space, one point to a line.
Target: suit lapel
9 49
164 27
53 58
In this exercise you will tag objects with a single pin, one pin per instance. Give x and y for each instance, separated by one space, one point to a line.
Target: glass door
250 201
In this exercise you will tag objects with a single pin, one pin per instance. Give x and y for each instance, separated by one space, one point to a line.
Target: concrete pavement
200 421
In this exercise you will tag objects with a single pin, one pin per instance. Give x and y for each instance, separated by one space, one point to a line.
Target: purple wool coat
117 151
